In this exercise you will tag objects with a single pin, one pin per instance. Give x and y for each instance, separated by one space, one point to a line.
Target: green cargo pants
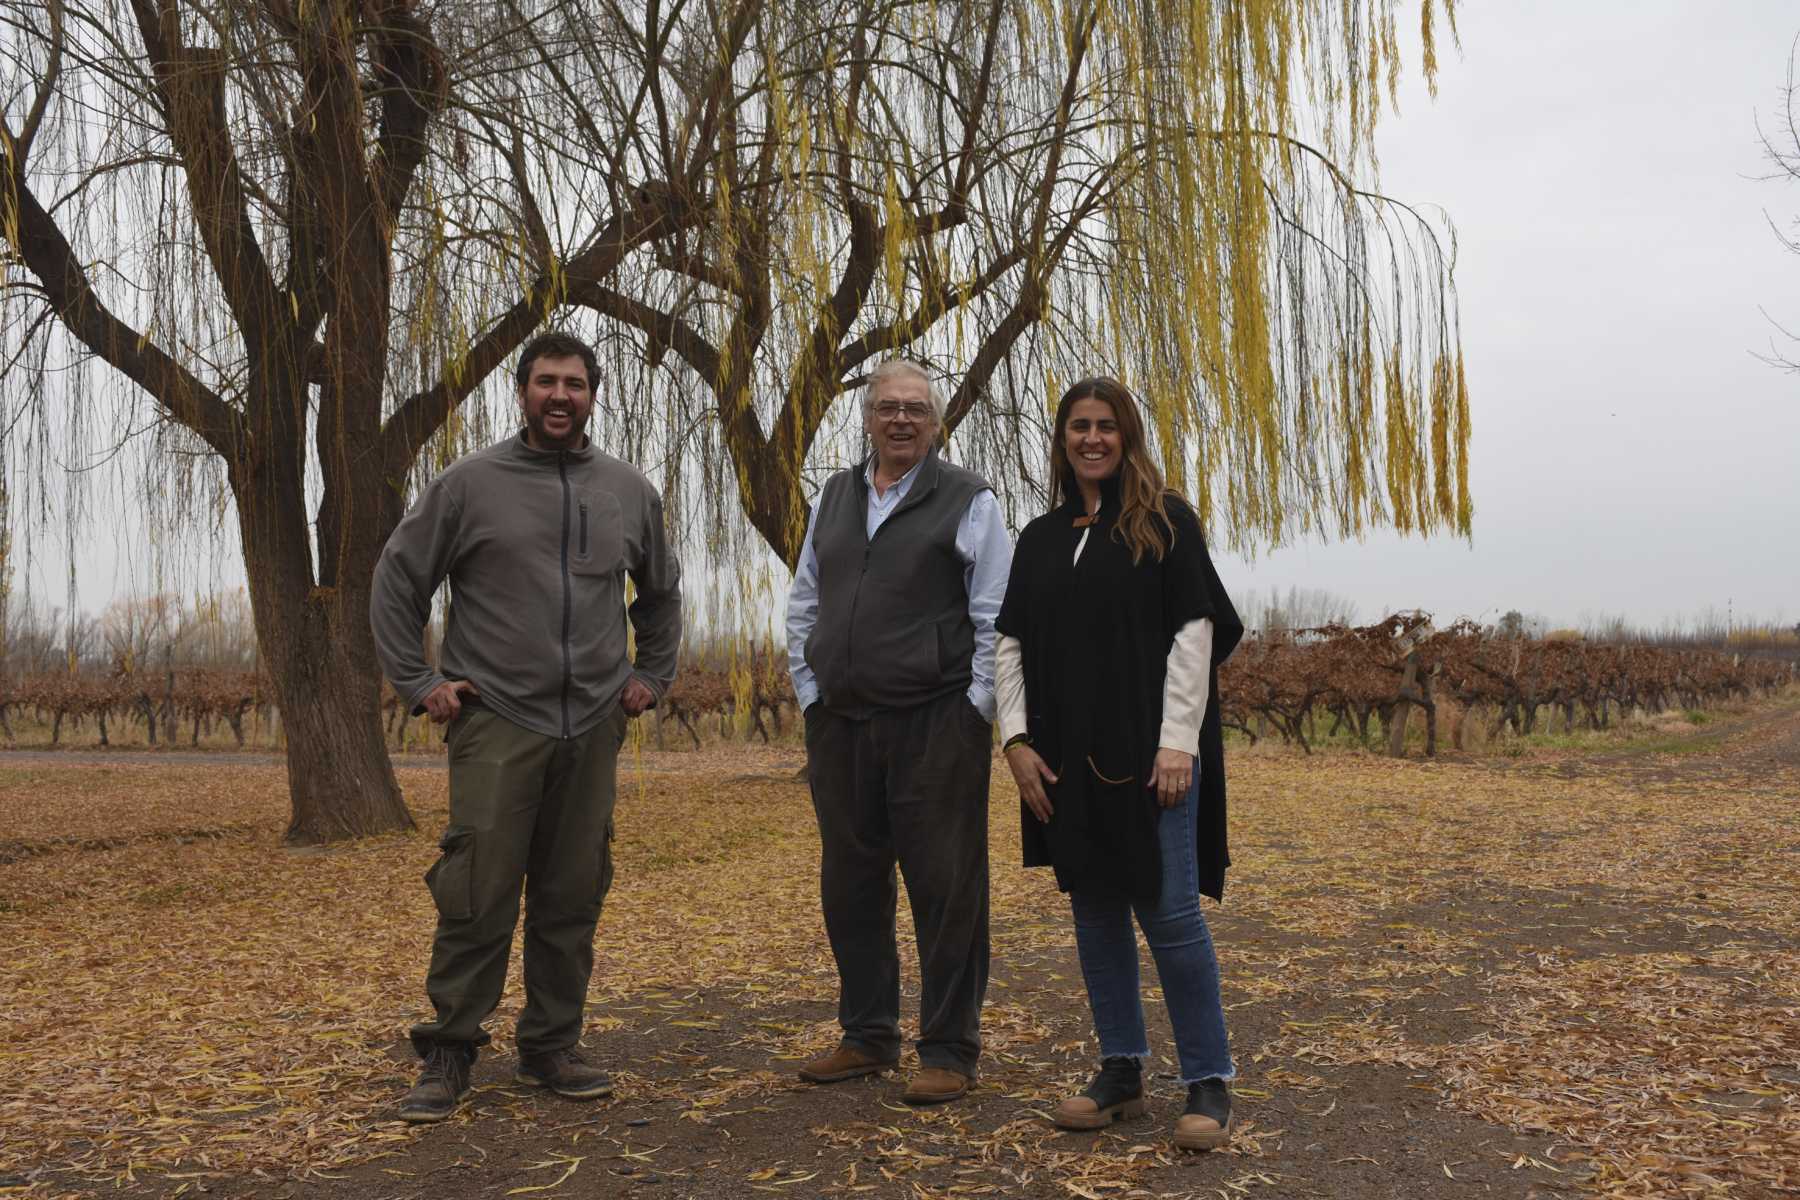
524 809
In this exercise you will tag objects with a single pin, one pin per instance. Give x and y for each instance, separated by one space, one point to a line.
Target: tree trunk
1409 685
1397 728
321 655
340 780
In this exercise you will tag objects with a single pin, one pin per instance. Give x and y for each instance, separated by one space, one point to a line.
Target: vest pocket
451 878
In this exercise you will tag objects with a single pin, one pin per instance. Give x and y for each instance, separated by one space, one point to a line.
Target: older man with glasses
891 643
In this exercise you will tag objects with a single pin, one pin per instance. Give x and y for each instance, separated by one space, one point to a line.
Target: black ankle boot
1115 1093
1206 1124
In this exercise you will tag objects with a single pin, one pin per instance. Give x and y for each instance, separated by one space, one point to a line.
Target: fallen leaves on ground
1609 959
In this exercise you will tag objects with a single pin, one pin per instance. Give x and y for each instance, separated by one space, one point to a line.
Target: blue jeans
1182 947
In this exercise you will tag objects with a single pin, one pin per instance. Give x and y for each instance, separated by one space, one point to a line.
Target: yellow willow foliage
1442 413
1233 337
1401 466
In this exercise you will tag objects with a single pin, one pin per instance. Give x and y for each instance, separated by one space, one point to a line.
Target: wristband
1017 739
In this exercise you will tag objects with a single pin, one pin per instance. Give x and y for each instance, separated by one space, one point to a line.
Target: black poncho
1096 637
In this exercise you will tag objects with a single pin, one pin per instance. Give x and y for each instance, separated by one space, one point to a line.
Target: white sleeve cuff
1177 736
1009 692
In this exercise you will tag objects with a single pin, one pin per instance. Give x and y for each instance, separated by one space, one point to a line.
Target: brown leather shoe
935 1085
564 1072
442 1084
846 1062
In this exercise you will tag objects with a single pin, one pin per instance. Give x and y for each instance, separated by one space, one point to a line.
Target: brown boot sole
922 1098
592 1091
431 1116
1100 1118
848 1072
1211 1139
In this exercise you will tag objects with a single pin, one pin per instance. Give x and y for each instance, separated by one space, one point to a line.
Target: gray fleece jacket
536 545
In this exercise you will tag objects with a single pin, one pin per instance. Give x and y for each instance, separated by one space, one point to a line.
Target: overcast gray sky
1629 455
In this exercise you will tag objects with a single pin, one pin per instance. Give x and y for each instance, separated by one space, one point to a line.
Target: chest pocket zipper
584 530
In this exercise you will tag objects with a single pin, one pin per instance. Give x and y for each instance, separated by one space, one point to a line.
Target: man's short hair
905 366
557 343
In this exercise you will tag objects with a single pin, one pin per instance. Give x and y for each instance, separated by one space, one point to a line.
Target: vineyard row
1285 683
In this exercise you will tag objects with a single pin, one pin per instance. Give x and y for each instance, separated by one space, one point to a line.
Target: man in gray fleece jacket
536 536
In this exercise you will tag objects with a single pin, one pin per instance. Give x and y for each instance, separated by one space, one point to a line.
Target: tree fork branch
659 212
664 330
190 84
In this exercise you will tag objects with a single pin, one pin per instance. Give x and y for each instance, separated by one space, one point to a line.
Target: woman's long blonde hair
1143 523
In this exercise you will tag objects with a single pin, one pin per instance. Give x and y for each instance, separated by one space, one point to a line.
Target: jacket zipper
562 473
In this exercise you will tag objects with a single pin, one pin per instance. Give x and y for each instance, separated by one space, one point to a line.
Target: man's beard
535 425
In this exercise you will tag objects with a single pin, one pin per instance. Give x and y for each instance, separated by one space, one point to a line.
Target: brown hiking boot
846 1062
935 1085
564 1072
442 1085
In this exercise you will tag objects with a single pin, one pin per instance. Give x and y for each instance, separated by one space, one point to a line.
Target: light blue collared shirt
982 544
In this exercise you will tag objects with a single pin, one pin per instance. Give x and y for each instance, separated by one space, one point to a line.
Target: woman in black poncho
1112 631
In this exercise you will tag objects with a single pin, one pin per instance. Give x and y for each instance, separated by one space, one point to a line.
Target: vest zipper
562 473
850 643
912 497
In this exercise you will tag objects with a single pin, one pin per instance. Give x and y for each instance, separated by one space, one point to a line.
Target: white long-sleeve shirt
1184 689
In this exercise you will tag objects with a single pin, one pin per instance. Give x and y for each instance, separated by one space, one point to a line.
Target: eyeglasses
893 410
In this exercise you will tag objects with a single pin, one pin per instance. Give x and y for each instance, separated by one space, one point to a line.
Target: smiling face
555 401
1092 441
901 423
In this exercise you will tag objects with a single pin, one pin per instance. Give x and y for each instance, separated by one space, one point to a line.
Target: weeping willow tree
1020 194
270 252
